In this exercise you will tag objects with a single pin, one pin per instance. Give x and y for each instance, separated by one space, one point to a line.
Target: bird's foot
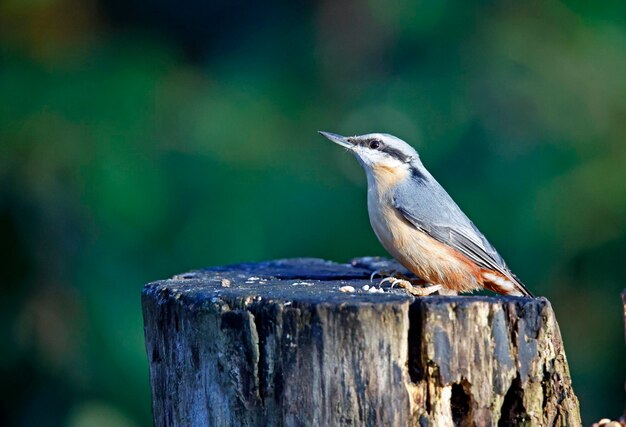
388 275
408 286
375 273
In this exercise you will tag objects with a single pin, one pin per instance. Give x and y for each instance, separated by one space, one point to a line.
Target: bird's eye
375 144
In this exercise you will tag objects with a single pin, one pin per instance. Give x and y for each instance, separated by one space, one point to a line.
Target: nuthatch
419 224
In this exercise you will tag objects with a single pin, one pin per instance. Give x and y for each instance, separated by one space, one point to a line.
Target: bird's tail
507 284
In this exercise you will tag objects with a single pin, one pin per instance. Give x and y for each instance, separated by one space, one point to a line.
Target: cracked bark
280 345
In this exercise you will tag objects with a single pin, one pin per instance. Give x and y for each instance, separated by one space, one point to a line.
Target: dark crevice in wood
513 412
544 386
416 367
195 356
156 356
266 320
461 404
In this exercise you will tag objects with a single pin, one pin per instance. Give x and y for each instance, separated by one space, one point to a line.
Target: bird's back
429 208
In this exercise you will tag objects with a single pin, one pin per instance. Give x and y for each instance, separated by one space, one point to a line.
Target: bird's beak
337 139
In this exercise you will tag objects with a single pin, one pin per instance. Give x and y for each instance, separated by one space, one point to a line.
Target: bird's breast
382 181
384 221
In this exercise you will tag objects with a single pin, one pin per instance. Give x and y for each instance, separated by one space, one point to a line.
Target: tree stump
280 344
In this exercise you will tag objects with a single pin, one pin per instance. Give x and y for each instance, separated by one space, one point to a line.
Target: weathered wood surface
278 344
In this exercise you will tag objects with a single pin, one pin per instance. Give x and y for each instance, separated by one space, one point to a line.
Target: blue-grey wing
428 207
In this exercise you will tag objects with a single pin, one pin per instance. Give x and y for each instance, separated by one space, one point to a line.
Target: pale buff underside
421 254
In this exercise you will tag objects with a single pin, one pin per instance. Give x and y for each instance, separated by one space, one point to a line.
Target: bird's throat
386 177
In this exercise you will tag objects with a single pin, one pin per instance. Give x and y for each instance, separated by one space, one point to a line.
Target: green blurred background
140 139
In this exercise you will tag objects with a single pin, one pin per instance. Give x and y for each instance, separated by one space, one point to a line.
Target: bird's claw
387 279
408 286
382 273
391 276
376 273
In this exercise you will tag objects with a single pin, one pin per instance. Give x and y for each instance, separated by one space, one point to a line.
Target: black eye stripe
395 153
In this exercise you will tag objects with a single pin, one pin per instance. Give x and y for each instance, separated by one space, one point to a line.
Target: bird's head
378 151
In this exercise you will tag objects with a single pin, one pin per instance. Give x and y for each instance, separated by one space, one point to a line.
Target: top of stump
297 280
